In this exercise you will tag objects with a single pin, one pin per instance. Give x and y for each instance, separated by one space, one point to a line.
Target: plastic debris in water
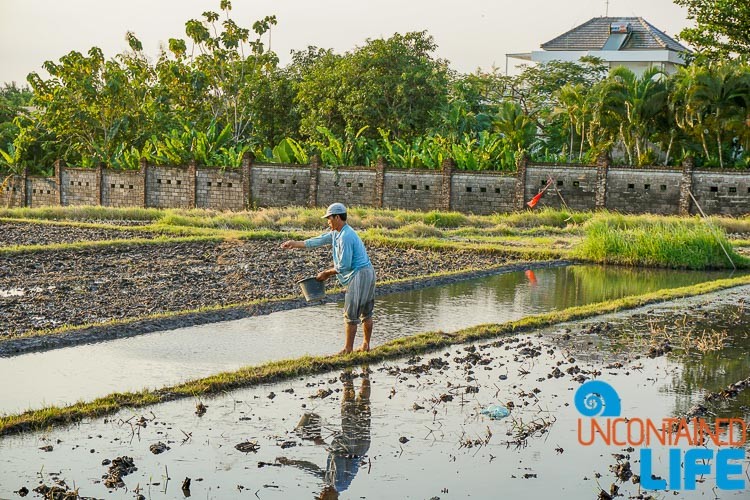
495 412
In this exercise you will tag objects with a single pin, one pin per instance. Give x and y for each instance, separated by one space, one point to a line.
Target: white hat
335 209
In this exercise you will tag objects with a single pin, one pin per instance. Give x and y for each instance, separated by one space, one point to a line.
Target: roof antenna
606 10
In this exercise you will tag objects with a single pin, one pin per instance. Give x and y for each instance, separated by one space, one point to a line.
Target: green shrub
445 219
656 242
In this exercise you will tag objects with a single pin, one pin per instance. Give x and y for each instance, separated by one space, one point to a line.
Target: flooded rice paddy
414 428
67 375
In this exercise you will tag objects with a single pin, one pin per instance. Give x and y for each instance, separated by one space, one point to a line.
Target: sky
470 34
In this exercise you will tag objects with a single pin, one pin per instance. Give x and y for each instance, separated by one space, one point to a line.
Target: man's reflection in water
348 446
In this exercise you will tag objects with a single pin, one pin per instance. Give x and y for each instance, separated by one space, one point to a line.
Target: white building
619 41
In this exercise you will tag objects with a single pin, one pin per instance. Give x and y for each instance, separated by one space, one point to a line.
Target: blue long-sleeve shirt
349 254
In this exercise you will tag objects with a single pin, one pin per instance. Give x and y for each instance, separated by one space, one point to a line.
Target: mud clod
200 409
186 487
121 467
158 448
247 446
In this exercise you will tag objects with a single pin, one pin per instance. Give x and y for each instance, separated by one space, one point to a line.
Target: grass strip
309 365
439 245
360 217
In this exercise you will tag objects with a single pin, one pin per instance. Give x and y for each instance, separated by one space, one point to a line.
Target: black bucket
312 289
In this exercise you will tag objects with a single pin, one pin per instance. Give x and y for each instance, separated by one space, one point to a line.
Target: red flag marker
532 202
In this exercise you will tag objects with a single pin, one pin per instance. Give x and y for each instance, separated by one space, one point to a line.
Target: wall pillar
379 181
144 180
520 190
602 167
312 197
98 183
686 185
445 192
192 182
59 166
247 180
25 186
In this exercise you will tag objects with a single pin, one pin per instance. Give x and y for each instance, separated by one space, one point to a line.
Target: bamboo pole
703 214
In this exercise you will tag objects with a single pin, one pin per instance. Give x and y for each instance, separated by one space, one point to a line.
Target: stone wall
629 190
279 185
170 187
580 187
725 193
122 189
218 189
12 191
574 185
80 186
412 189
41 191
357 186
483 193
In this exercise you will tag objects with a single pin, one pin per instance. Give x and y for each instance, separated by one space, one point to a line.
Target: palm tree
573 103
713 102
644 100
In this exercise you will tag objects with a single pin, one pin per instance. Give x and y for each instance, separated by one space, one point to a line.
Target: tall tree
722 27
91 106
394 84
644 100
14 101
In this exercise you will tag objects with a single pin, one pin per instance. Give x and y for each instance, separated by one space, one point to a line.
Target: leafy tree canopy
722 27
393 83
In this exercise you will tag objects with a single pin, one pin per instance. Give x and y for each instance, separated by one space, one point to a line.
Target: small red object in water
530 274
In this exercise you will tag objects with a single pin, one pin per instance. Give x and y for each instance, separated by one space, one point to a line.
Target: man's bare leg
367 333
351 332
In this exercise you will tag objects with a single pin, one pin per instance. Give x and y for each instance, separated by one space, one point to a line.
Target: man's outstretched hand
292 244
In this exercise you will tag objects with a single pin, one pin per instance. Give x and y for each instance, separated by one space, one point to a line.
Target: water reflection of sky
163 358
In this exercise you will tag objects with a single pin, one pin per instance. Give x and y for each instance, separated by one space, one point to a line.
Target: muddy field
49 289
333 435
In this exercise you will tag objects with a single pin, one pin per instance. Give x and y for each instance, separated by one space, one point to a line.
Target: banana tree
516 128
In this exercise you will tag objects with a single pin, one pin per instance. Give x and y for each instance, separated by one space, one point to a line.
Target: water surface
415 442
66 375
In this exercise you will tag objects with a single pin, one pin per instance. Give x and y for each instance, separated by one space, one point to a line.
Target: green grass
545 217
651 241
309 365
440 245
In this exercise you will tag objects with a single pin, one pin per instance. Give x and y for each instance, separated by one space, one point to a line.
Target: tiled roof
592 35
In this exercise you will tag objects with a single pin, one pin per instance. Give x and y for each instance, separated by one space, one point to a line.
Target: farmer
352 268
